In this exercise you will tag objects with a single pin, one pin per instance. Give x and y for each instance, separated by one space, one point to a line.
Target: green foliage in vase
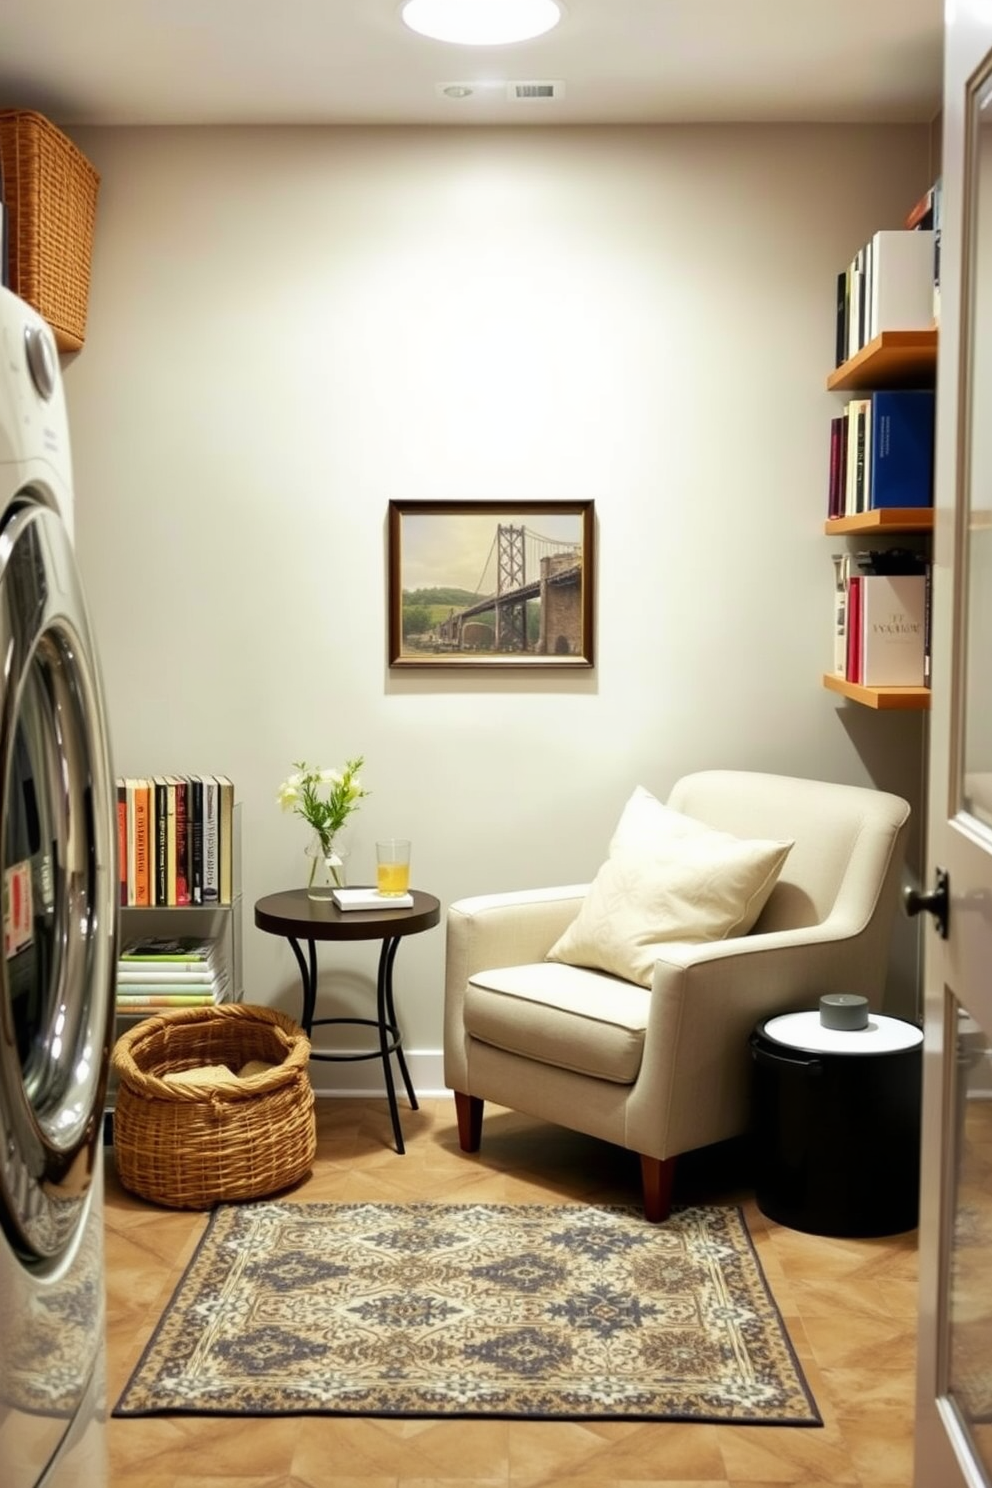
323 798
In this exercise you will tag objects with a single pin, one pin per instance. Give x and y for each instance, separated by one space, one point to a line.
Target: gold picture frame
491 584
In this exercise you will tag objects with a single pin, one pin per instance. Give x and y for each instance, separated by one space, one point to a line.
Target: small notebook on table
370 899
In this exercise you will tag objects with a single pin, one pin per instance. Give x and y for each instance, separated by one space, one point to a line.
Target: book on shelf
176 948
838 466
938 206
159 835
121 788
864 455
857 412
902 444
170 840
182 840
175 987
226 836
840 344
901 283
195 839
129 789
193 972
856 280
142 843
842 575
189 976
893 630
852 666
211 840
180 986
165 1000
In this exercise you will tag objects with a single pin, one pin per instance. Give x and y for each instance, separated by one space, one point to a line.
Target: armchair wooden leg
468 1109
657 1177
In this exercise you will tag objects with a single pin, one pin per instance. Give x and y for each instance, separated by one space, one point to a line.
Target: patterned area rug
526 1311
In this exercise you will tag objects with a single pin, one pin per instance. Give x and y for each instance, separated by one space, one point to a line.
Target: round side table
297 918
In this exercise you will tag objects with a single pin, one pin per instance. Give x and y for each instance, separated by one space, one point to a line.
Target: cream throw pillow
667 877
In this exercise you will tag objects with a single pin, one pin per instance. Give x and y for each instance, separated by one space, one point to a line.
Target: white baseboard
364 1076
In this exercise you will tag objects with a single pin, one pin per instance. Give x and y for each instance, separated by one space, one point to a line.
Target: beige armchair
665 1069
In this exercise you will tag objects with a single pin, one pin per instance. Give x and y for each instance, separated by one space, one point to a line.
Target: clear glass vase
325 867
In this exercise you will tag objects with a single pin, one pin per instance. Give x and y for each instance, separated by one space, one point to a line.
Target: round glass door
59 882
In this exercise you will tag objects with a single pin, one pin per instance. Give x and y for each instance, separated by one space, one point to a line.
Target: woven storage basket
49 190
193 1146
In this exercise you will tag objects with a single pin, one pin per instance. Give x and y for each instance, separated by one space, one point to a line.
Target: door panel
954 1397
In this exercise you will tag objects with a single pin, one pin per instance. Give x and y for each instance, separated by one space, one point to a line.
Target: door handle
936 901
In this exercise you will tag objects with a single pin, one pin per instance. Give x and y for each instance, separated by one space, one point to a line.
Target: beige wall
290 327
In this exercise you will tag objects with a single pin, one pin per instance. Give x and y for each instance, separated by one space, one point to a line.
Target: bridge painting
490 584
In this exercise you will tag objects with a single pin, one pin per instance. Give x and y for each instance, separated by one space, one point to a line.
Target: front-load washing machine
60 943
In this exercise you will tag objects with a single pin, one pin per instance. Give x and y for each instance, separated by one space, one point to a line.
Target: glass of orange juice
392 857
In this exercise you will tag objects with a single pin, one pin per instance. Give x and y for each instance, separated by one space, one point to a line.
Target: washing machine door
59 900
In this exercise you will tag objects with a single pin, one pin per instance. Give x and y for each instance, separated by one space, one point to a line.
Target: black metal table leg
388 953
390 1038
308 977
388 1030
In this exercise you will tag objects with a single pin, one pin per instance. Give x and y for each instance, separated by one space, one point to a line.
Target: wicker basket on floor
221 1137
50 191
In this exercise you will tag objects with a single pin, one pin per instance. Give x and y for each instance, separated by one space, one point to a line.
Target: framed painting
491 584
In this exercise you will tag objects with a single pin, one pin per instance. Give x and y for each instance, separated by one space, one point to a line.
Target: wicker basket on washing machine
189 1130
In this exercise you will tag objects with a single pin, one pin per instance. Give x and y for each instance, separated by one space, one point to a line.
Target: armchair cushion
667 878
560 1015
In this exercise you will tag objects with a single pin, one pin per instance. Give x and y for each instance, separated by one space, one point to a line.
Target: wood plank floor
850 1307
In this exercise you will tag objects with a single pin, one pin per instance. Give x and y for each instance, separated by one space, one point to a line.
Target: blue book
901 449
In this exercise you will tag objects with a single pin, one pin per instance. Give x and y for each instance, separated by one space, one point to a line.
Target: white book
180 971
370 899
938 212
225 854
166 982
901 281
893 630
855 411
854 342
842 573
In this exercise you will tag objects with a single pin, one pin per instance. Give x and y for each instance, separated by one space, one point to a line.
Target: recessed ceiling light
481 22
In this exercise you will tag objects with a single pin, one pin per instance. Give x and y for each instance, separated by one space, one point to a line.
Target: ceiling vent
535 92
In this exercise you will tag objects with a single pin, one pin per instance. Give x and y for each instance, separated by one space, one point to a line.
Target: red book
182 840
838 466
854 629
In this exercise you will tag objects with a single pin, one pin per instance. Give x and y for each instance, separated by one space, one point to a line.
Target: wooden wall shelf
885 519
892 359
901 699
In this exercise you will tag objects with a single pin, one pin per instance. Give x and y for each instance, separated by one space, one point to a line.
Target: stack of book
161 973
891 284
882 619
881 453
175 839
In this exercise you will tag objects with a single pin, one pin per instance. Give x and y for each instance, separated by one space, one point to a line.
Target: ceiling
125 62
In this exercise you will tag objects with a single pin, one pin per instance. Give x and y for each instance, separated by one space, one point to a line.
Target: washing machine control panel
41 359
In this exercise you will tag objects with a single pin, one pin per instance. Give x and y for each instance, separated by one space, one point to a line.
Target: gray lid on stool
846 1010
